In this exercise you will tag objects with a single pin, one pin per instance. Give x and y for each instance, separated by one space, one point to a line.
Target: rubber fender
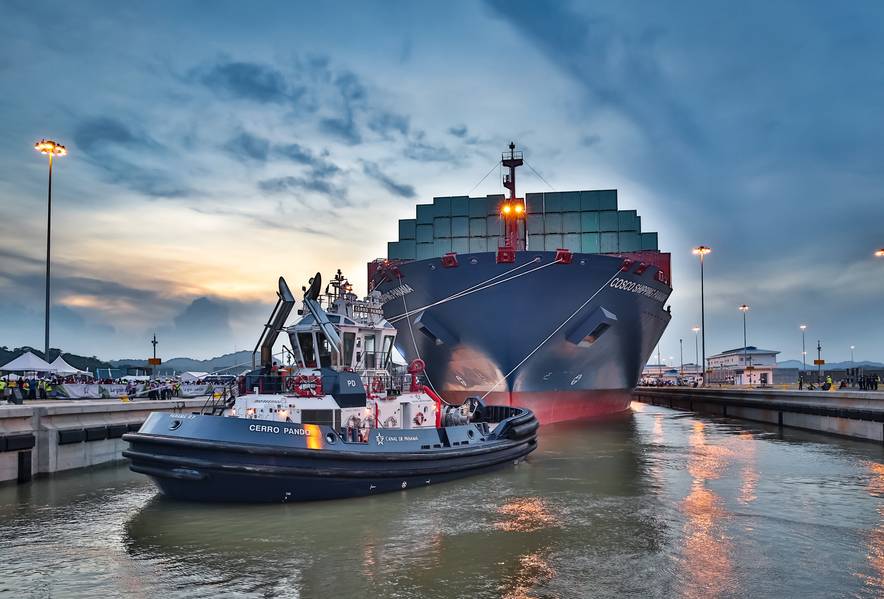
134 427
74 435
523 430
96 433
22 441
115 431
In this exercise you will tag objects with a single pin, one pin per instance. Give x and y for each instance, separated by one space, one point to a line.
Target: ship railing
218 401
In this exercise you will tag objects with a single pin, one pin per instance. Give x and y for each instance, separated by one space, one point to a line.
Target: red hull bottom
557 406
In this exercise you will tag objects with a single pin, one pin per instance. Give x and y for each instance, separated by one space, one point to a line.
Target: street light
744 309
852 347
50 149
702 250
880 253
696 330
803 328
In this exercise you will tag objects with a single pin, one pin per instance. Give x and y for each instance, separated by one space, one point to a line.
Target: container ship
553 301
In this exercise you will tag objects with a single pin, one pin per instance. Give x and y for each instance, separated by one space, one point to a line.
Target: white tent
189 377
28 362
63 367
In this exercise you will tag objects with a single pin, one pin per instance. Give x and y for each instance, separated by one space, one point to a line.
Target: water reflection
524 515
706 558
876 537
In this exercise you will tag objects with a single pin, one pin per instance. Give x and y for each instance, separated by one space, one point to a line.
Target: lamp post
852 347
744 309
681 357
50 149
696 330
880 253
702 250
819 361
803 328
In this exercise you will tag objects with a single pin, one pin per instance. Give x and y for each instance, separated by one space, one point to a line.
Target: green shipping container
493 226
649 241
407 228
478 207
424 234
589 243
570 201
571 241
478 244
535 224
535 242
425 214
553 201
441 247
627 220
608 221
589 201
553 222
492 204
461 245
629 241
477 227
535 202
460 206
589 222
609 243
571 222
443 206
425 250
460 226
442 227
608 199
552 242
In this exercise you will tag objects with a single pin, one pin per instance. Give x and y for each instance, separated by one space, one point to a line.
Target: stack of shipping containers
581 221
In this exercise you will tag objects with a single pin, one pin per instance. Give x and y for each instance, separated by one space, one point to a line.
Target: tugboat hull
218 459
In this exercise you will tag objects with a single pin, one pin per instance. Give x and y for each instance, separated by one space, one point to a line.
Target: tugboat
342 421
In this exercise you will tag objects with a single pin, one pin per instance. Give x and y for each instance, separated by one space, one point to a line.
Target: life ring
419 419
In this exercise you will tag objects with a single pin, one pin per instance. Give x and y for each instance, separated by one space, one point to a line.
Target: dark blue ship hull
217 459
573 338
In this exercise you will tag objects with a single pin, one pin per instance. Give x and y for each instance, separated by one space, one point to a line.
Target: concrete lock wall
63 435
855 414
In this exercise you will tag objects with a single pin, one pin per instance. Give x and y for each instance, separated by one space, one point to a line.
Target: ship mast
512 209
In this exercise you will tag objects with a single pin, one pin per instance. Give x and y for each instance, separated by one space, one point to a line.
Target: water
657 504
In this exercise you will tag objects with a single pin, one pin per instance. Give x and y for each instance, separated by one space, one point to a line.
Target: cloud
263 220
400 189
421 150
343 127
247 81
105 140
248 147
386 123
336 195
320 167
458 131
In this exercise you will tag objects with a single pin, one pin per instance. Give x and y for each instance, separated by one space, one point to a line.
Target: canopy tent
28 362
189 377
62 367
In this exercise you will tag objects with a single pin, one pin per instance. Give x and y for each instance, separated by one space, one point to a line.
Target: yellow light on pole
880 253
506 209
702 250
519 208
50 149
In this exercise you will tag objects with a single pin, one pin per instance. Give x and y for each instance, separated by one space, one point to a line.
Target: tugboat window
305 341
349 343
370 361
388 349
325 359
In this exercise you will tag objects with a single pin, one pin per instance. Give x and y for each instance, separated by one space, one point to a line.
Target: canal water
656 504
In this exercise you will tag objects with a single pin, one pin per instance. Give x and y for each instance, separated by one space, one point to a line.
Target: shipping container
443 206
441 247
425 214
608 221
424 234
627 220
553 222
552 242
571 241
570 201
649 241
535 224
461 245
629 241
589 243
442 227
460 226
478 244
478 227
478 207
407 228
571 222
426 250
589 222
534 202
589 201
608 199
609 243
460 206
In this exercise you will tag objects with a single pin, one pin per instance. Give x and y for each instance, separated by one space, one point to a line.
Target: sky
216 146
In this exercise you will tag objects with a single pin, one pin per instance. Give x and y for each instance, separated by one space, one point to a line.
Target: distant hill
830 365
77 361
241 359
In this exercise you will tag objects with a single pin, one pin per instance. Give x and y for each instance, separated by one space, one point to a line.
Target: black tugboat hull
216 459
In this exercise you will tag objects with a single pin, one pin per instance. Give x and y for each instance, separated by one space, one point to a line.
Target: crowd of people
32 387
